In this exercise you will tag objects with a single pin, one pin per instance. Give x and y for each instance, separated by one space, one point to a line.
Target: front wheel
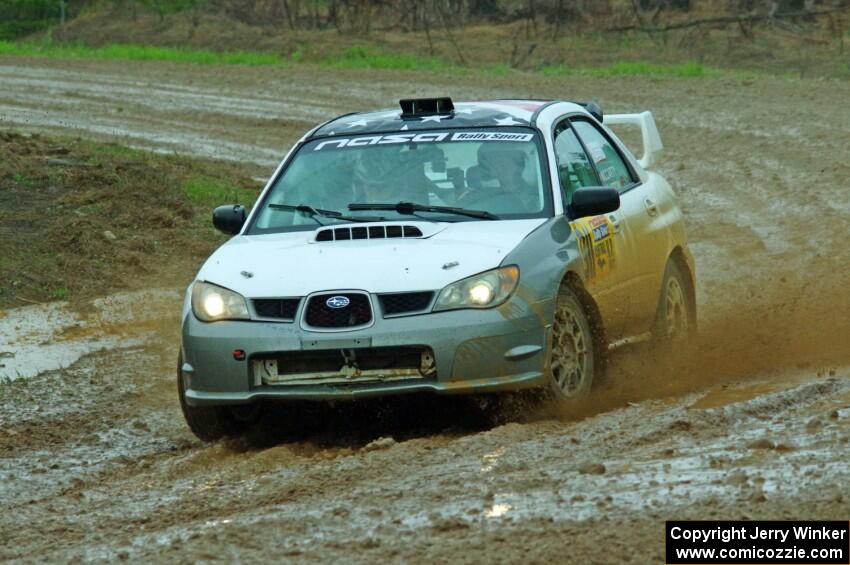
675 318
210 423
574 357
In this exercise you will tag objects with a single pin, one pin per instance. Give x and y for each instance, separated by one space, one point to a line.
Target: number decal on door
596 245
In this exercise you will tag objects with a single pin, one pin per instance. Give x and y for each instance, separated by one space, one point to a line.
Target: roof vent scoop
413 107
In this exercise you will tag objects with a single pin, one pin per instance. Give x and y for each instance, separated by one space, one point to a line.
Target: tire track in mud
172 111
96 459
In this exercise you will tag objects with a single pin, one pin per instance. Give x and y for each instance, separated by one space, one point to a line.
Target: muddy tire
575 351
675 317
210 423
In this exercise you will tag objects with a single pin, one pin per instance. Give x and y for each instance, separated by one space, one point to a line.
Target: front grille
370 232
405 302
366 359
344 366
280 308
358 311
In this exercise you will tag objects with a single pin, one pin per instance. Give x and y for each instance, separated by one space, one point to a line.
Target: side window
613 171
574 168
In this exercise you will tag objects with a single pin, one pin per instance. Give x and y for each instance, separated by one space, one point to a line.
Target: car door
637 217
603 240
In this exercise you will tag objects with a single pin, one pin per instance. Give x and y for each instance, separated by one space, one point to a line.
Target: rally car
451 248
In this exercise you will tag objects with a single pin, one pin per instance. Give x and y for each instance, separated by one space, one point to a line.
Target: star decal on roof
436 118
509 121
466 115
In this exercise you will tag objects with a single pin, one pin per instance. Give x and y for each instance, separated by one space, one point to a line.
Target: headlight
211 303
484 290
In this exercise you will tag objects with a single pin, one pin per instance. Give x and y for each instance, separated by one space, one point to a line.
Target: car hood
293 264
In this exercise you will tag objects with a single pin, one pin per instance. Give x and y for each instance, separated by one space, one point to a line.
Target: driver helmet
499 164
379 174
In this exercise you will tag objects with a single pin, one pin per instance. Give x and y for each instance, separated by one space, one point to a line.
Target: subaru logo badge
337 302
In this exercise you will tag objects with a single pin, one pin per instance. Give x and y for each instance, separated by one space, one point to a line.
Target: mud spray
791 323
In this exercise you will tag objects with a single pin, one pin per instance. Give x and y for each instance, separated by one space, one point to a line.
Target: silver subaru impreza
452 248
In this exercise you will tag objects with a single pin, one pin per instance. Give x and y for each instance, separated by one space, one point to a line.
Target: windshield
495 170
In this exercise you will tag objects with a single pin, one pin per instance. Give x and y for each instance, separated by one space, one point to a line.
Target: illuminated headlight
484 290
211 303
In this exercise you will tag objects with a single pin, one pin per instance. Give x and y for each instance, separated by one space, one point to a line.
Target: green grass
358 57
690 70
209 191
364 58
140 53
112 151
499 70
23 180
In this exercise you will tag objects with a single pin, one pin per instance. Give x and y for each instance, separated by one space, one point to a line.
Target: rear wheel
574 358
210 423
675 318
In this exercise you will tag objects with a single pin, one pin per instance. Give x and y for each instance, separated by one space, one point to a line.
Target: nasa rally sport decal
428 137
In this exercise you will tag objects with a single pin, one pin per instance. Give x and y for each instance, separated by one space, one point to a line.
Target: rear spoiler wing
652 146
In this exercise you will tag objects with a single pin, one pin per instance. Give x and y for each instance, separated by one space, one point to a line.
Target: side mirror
593 200
229 219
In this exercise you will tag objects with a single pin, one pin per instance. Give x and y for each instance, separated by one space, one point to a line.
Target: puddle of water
490 460
731 395
45 337
725 395
498 510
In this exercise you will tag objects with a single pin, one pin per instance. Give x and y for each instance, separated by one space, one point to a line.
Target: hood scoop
376 231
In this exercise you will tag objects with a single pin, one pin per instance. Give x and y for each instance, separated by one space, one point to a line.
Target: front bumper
505 348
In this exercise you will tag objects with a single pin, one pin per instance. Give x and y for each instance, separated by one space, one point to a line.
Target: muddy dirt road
96 462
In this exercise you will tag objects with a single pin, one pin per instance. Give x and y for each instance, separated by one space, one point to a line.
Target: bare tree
449 33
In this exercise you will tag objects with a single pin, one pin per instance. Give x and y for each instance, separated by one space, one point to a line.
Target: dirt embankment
753 423
81 219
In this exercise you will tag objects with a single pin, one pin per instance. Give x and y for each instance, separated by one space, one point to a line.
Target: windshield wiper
410 209
313 212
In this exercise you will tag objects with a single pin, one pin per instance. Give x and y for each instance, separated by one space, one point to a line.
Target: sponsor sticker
596 245
596 151
422 137
608 173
